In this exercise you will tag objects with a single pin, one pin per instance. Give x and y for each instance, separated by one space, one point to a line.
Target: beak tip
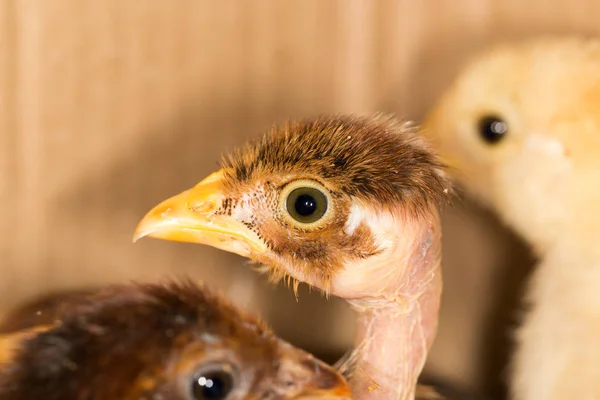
140 232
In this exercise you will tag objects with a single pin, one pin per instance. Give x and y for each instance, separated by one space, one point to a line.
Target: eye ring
213 382
305 204
492 128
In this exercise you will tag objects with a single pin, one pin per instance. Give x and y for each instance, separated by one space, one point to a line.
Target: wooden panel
7 146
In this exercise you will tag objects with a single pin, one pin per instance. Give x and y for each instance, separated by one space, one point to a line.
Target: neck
396 327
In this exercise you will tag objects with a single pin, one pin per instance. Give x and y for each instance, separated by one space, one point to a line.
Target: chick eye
492 129
306 202
212 384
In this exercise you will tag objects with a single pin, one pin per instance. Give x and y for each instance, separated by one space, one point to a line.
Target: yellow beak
191 217
313 378
327 385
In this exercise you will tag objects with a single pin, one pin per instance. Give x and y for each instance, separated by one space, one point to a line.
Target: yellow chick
521 128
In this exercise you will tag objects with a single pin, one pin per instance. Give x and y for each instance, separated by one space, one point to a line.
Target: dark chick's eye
306 204
492 129
212 384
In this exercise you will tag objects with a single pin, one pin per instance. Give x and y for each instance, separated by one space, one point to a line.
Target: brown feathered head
312 199
175 341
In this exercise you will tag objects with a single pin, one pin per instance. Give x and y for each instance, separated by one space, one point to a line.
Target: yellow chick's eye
492 129
305 203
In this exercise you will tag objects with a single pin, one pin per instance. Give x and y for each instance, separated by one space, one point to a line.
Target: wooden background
107 107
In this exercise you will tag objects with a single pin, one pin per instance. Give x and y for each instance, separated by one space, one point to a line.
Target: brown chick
153 341
520 126
346 204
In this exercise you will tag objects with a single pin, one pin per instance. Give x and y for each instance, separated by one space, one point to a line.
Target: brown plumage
378 160
41 310
347 204
159 341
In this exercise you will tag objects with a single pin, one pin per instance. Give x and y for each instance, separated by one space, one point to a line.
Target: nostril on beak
203 202
202 206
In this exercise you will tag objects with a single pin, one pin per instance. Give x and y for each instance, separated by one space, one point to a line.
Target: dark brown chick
347 204
173 341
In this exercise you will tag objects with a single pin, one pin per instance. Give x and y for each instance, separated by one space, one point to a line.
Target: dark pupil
492 129
305 205
212 386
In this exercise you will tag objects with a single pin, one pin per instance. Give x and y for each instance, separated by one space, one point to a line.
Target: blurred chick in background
520 128
348 205
155 341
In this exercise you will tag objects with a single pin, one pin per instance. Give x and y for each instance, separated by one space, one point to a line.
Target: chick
347 204
154 341
520 128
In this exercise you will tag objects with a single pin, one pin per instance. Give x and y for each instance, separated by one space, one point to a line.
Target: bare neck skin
397 319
